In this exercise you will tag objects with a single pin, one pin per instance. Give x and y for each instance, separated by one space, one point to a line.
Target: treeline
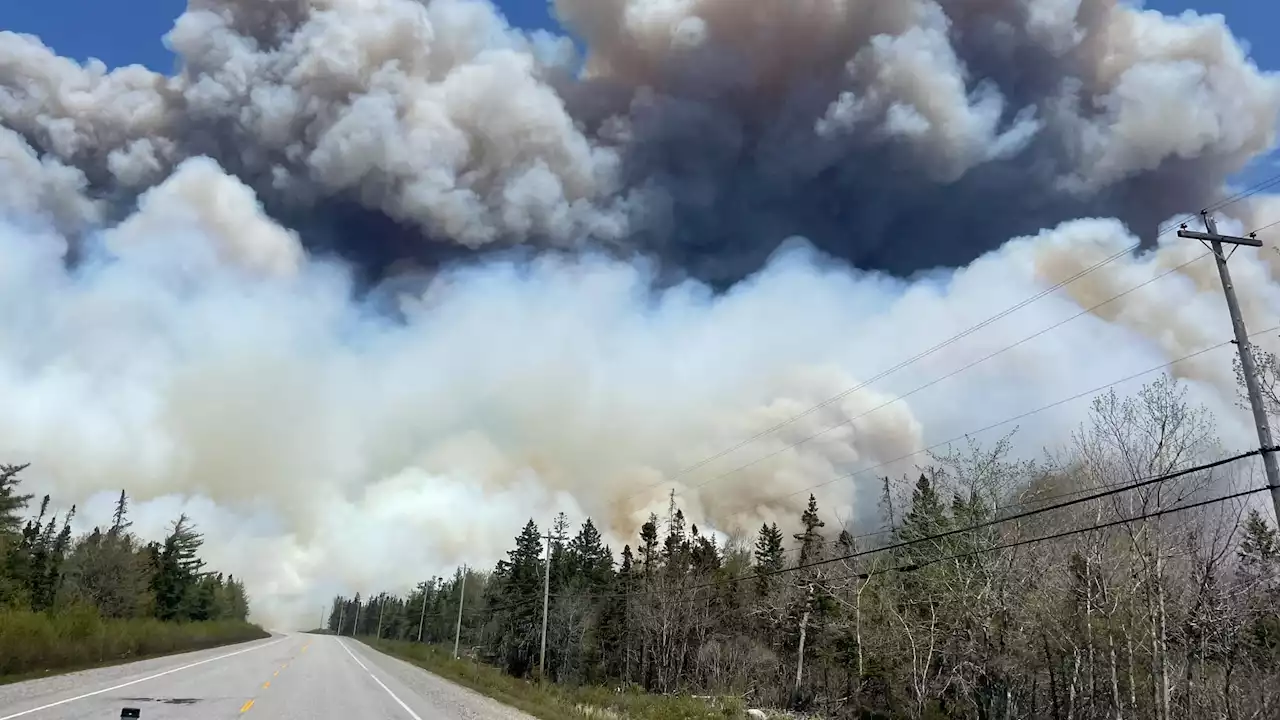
104 595
1155 614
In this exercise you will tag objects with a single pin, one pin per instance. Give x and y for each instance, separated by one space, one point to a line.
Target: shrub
76 637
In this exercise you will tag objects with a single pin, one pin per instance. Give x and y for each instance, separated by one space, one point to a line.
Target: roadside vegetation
105 597
551 701
1145 584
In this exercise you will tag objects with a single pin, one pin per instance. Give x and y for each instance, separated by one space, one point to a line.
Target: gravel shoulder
442 698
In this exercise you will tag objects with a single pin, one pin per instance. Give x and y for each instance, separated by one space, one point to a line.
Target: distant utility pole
342 614
546 601
1247 365
462 598
382 610
422 618
355 627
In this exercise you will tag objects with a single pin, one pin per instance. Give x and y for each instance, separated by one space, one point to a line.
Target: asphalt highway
286 677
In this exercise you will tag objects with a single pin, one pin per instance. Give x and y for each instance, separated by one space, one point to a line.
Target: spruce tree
810 539
769 557
12 503
649 546
926 517
590 558
516 602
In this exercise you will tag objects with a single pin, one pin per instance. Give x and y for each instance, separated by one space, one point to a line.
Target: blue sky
96 28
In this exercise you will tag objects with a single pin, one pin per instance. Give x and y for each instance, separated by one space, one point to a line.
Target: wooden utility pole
355 627
462 598
342 614
422 618
1247 365
382 611
546 602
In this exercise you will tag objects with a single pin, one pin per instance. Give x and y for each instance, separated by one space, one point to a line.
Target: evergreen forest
106 595
1132 573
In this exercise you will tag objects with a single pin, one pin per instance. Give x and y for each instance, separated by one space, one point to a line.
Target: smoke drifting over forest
368 282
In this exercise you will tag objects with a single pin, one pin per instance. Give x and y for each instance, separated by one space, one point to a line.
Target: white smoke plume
175 320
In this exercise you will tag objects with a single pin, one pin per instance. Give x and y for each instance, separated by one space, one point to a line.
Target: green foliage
556 702
933 618
70 602
77 637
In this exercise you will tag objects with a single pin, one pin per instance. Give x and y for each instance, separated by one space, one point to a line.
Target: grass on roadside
38 644
556 702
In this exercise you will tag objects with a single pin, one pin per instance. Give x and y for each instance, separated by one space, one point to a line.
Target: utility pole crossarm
1251 241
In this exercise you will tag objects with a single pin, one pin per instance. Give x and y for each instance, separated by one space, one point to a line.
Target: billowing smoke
367 283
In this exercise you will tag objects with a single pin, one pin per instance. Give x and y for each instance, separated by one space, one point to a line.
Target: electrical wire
913 567
1146 482
935 381
1236 197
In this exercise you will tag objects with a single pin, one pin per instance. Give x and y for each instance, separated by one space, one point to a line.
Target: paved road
288 677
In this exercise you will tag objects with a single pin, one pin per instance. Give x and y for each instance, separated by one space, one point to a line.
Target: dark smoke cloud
207 356
897 136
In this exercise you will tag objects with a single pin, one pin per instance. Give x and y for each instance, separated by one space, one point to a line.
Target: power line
1023 416
1236 197
949 375
1268 226
968 529
1015 418
885 373
1006 506
913 567
1069 533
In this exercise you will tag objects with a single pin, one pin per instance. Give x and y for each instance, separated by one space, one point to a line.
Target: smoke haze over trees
1160 613
110 569
67 600
360 271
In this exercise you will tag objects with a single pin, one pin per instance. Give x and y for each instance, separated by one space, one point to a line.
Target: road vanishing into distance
286 677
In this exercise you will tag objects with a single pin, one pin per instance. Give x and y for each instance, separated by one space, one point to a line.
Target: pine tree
177 571
119 521
45 593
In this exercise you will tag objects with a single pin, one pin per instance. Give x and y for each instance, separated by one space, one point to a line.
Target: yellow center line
276 674
266 685
245 708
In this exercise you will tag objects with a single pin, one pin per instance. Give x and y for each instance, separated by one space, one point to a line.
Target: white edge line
135 682
364 667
